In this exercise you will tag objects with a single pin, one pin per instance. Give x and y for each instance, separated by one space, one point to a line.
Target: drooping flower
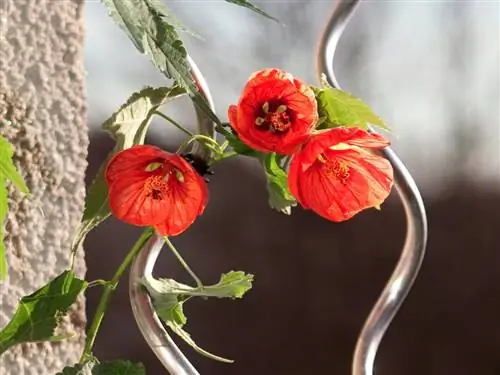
336 175
275 113
151 187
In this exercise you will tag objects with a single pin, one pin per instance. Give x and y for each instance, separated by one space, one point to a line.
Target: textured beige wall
42 94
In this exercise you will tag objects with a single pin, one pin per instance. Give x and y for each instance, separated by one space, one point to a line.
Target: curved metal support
145 315
413 251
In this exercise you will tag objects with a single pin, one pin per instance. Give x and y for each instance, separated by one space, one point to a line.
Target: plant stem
174 123
98 282
224 156
209 143
181 260
82 233
109 288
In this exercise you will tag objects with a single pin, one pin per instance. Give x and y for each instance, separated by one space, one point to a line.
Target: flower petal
134 159
130 204
340 138
353 136
266 75
375 170
294 173
186 202
317 186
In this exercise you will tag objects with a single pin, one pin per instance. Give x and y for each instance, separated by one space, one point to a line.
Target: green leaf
129 124
8 172
189 340
280 197
248 5
239 147
339 108
8 169
4 207
233 284
37 315
128 127
169 17
169 297
118 367
78 369
146 23
169 308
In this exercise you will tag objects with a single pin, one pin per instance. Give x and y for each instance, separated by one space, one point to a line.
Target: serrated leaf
37 315
280 197
78 369
233 284
128 126
169 297
169 308
166 13
248 5
146 23
8 172
339 108
118 367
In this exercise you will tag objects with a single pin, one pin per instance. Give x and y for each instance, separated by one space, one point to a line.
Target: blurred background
431 70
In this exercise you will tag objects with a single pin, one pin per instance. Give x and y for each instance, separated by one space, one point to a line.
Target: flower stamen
179 176
277 121
339 170
259 121
153 166
265 107
335 168
156 187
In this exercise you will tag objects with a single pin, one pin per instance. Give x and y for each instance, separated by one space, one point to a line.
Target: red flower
336 176
275 113
151 187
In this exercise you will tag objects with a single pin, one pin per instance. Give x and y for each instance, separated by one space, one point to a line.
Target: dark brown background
316 282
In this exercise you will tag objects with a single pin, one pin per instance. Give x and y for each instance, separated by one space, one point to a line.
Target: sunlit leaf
339 108
233 284
37 315
169 297
280 197
8 172
249 5
147 25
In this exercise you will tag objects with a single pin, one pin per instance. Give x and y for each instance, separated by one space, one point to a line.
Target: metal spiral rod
392 296
413 251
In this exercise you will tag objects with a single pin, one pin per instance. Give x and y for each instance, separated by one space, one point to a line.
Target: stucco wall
42 95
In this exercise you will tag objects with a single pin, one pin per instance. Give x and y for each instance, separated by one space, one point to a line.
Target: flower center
276 120
156 187
335 168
